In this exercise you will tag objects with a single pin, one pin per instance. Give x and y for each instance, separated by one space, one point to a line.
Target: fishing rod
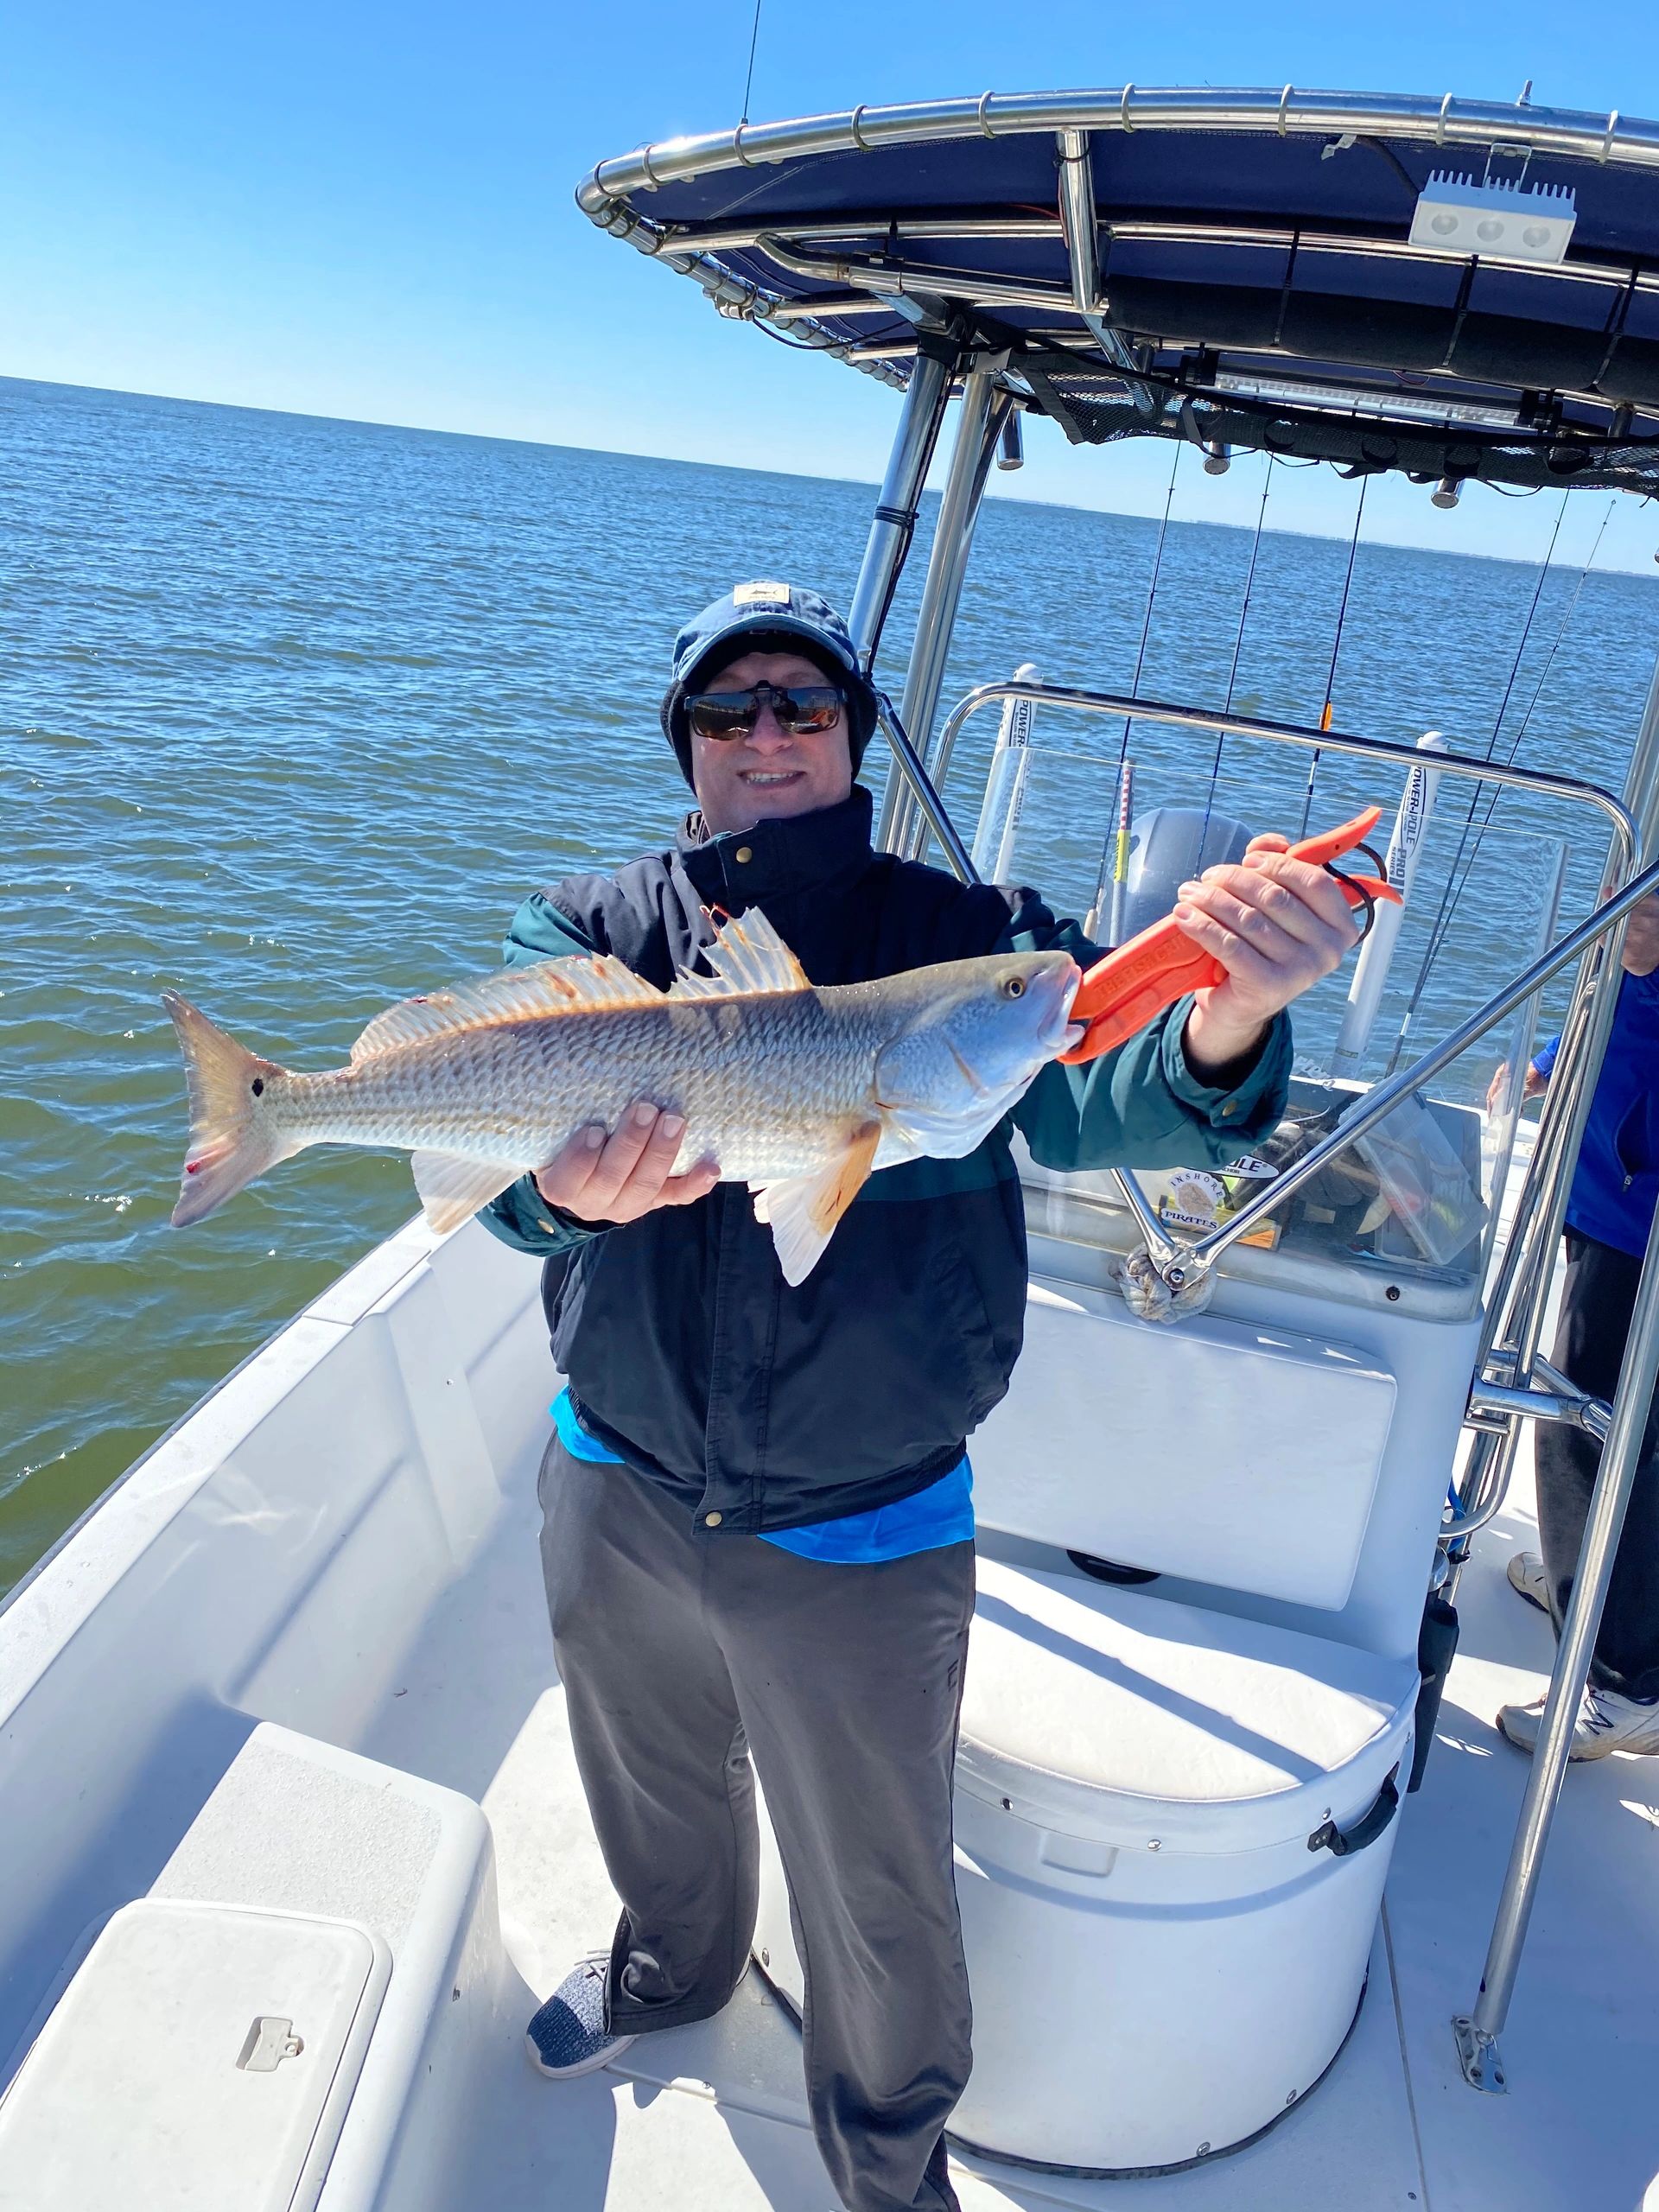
1537 693
1119 848
1238 647
1457 873
1114 847
1328 713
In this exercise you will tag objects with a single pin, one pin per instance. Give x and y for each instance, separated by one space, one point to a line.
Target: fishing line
748 81
1238 647
1458 873
1328 713
1114 855
1549 658
1492 796
1526 631
1152 595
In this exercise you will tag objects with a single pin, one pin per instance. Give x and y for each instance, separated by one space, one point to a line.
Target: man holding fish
758 1531
757 1520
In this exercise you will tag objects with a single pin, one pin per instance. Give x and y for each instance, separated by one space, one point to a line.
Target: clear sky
362 209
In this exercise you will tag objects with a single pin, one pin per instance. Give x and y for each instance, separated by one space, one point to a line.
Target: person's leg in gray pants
1597 1301
678 1653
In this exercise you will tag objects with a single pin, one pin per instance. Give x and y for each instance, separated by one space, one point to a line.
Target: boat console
1178 1797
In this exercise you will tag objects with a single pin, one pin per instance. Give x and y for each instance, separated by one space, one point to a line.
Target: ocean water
293 712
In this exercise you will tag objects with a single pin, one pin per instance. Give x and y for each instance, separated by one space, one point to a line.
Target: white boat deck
381 1591
712 2118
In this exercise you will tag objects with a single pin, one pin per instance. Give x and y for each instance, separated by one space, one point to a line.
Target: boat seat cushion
1119 1714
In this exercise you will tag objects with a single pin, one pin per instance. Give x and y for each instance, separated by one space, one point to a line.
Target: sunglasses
801 709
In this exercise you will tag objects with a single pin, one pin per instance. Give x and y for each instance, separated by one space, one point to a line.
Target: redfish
797 1091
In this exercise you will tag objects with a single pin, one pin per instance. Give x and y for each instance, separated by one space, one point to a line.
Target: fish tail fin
231 1139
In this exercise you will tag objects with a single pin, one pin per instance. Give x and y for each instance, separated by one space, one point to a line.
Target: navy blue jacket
1617 1182
685 1351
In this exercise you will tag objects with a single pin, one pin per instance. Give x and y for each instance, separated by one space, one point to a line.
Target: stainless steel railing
1478 2031
1117 704
1180 1263
1505 1390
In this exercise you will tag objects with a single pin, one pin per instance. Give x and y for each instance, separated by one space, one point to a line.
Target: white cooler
1173 1830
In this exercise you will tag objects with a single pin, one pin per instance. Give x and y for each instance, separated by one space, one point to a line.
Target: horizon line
627 453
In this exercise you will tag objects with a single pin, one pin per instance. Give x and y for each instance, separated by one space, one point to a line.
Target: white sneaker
1526 1573
1607 1722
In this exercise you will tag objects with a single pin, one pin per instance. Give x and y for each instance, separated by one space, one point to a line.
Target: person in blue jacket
1609 1213
758 1536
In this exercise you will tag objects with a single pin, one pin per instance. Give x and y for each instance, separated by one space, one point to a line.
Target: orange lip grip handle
1131 987
1322 850
1128 988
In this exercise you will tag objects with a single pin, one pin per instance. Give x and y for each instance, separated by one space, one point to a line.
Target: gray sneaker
569 2037
1526 1576
1607 1722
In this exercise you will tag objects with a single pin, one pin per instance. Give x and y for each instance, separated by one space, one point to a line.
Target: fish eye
1015 987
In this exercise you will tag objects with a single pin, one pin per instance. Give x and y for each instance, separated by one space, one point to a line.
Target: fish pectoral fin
453 1185
802 1213
745 956
576 985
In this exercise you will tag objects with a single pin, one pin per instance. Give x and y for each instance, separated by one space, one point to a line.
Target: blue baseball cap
762 613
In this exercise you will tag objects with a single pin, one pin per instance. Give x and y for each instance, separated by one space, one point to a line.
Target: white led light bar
1507 222
1400 406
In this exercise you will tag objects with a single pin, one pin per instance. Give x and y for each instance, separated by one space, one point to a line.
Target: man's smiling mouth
764 776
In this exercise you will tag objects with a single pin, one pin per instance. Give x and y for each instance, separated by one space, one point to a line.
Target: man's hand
616 1178
1276 925
1535 1087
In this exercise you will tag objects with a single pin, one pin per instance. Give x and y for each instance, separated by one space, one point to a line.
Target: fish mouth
1059 1032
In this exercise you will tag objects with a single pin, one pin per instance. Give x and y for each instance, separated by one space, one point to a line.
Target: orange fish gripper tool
1121 993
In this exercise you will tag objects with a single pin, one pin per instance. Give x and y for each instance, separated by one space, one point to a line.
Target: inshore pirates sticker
1190 1198
760 595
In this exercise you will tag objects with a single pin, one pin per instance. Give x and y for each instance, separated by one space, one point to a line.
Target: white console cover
1228 1453
200 2060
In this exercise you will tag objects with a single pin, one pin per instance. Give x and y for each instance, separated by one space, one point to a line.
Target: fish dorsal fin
453 1187
802 1213
577 985
745 956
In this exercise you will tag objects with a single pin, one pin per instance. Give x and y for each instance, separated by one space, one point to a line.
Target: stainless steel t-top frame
984 410
1451 123
851 251
1502 1392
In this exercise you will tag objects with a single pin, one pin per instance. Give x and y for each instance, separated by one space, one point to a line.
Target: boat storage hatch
204 2055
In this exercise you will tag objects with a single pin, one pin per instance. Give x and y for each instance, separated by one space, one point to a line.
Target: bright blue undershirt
942 1514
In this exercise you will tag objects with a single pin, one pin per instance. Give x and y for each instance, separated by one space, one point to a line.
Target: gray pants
679 1653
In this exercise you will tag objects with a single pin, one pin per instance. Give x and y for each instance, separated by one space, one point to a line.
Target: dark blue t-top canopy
1444 287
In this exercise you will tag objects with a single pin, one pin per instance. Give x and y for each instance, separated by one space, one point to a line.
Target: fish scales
799 1092
763 1082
